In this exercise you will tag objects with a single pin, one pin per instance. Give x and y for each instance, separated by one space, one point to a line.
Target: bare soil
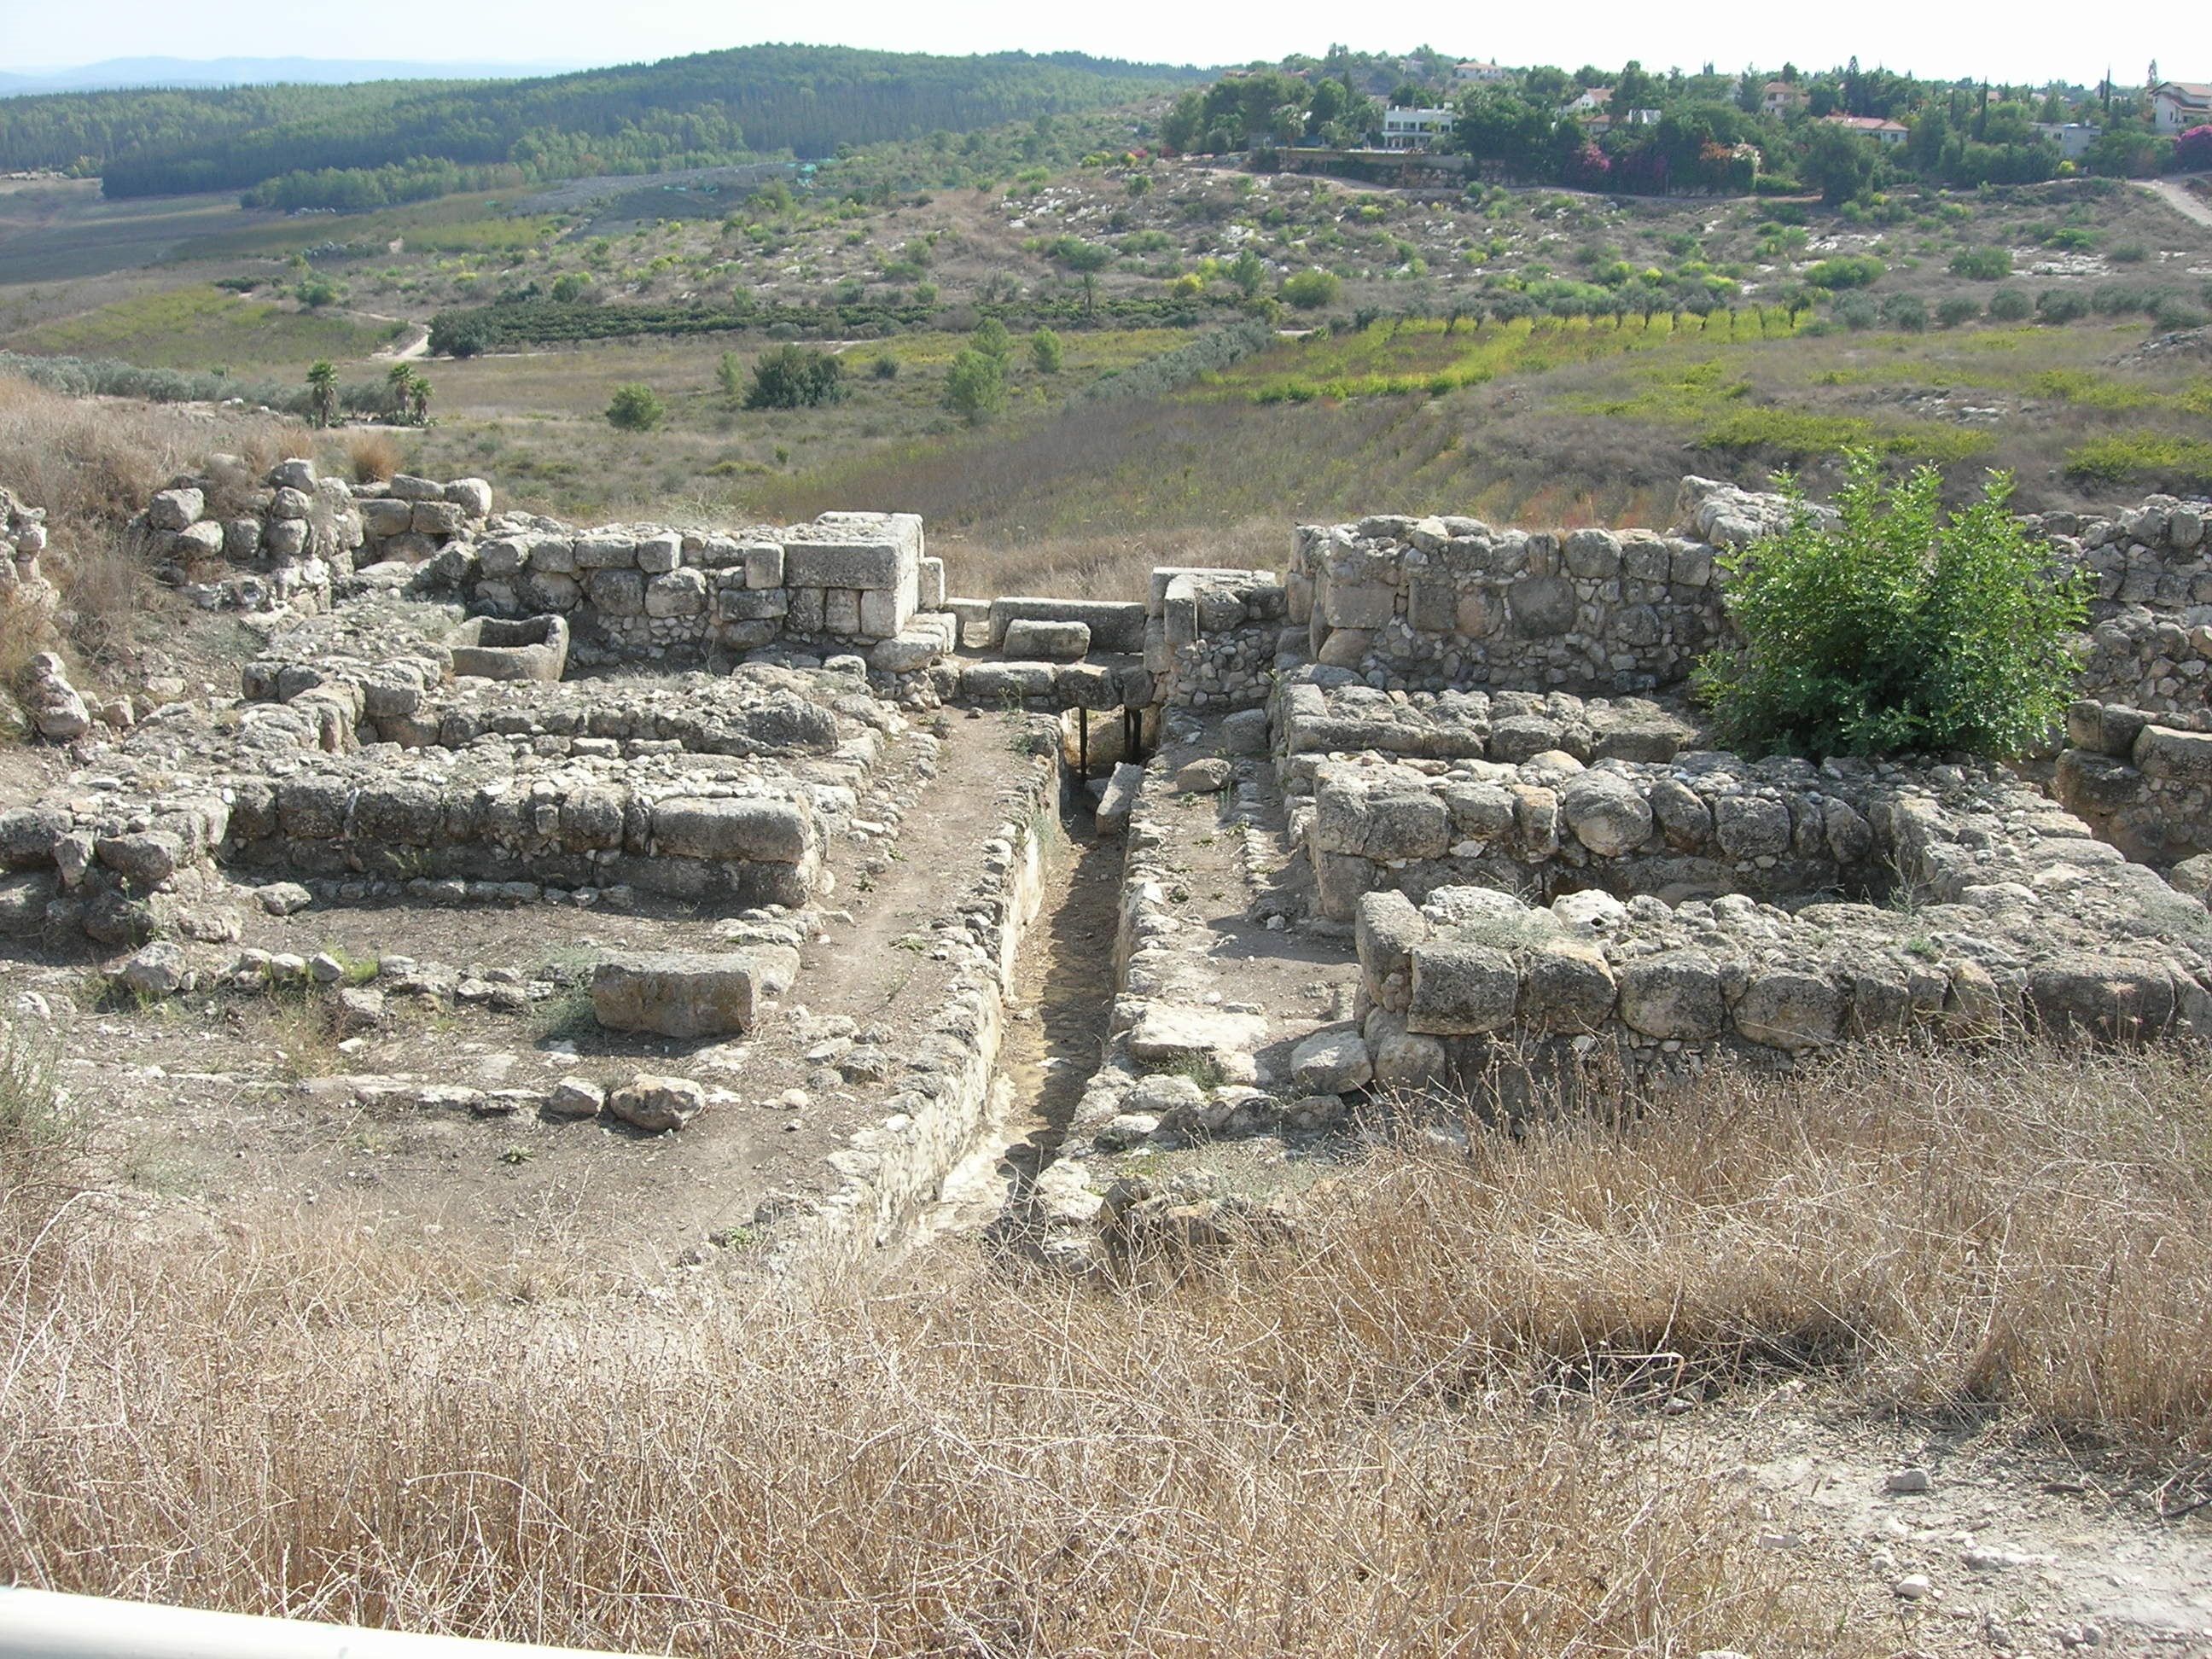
230 1107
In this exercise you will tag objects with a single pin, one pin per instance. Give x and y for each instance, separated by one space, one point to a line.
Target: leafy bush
635 407
1857 312
1045 351
975 385
2011 304
2127 253
570 287
1847 270
1907 311
2062 304
796 377
1896 630
1957 309
2164 459
1078 255
2174 311
1157 376
992 339
1983 265
1310 290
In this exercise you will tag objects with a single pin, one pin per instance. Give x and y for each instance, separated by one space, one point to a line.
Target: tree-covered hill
362 145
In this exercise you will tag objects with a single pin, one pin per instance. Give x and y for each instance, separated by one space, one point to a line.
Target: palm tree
418 400
399 383
322 381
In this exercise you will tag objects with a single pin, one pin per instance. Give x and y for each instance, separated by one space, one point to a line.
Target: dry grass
373 456
1400 1432
92 462
1106 567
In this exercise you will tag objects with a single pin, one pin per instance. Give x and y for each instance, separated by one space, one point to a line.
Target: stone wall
355 760
1212 636
2145 787
2150 638
231 539
1437 603
2018 917
28 599
856 581
1705 825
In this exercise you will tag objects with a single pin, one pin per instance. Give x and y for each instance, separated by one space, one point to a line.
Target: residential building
1882 131
1592 102
1483 74
1415 129
2074 138
1780 97
2178 106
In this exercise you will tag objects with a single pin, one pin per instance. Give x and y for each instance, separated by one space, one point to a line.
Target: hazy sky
2031 40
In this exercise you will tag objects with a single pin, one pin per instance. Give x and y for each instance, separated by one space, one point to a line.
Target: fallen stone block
647 1101
1334 1061
1119 799
1168 1035
690 993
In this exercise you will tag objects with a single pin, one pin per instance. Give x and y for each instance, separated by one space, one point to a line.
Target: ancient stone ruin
1464 828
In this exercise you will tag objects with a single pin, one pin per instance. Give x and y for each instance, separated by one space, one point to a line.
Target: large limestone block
647 1101
1332 1061
1388 930
1166 1034
1751 826
2093 996
1461 990
866 551
1382 823
679 994
1119 799
1606 813
2161 752
1790 1009
1567 987
1047 641
753 830
172 509
1673 996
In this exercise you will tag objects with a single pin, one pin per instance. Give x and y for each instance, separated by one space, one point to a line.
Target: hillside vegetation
357 147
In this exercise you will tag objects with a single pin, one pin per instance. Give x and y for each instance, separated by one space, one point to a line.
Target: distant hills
365 144
116 73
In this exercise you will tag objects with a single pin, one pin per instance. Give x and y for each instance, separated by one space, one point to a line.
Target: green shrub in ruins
1898 628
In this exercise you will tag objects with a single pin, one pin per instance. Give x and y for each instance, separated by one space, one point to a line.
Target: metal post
1083 744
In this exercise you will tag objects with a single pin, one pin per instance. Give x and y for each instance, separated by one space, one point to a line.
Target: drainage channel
1059 1007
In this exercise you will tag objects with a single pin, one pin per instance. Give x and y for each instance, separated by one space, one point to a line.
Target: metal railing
42 1625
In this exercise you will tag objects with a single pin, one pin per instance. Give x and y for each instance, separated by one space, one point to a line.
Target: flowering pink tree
2192 151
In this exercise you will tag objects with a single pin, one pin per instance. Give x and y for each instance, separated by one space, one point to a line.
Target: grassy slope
1427 1421
201 327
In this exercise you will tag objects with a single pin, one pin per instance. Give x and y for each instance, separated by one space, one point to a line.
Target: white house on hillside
1415 129
2074 138
1882 131
1780 97
1482 74
2178 106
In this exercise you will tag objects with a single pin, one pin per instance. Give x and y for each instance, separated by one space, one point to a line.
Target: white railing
41 1625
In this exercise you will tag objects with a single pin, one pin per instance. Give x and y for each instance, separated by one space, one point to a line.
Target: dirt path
2175 194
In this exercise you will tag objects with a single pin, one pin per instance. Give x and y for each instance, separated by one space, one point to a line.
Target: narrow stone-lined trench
1061 1002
